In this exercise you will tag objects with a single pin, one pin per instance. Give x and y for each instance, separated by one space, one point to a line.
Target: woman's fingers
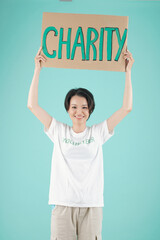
129 58
40 57
38 53
40 49
127 55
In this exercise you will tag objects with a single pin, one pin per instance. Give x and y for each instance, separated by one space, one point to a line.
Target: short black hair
81 92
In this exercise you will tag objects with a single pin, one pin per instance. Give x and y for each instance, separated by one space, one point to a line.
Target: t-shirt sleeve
103 131
52 130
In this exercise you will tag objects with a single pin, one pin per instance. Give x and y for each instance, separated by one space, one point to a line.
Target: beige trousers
76 223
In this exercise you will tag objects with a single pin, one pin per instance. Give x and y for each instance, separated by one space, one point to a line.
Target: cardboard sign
84 41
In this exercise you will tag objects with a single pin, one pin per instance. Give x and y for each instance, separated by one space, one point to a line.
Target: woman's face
78 109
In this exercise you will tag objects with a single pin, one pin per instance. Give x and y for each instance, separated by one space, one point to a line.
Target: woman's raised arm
32 104
127 99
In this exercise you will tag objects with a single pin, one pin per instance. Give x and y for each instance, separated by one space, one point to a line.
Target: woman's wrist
128 71
37 69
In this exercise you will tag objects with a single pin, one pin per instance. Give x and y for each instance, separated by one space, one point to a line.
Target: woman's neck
79 128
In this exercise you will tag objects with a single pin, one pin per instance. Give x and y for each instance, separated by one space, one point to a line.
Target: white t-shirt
76 178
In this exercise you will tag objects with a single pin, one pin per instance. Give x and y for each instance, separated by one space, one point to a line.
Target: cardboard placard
84 41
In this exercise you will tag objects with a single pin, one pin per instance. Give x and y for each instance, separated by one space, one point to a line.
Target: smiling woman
80 104
76 180
79 113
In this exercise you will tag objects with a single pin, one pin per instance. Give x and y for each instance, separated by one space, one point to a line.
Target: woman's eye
83 107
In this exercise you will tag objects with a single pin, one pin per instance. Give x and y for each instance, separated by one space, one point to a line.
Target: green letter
76 44
44 47
109 42
120 42
101 44
64 42
90 42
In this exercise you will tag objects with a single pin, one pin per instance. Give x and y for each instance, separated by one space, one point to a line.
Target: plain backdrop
131 157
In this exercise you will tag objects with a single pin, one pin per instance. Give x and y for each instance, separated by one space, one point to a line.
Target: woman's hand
129 60
38 60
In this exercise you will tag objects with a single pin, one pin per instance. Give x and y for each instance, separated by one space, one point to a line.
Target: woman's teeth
79 117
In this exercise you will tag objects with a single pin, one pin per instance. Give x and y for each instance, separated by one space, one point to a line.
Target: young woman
76 180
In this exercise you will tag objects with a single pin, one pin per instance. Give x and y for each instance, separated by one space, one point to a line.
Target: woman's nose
79 111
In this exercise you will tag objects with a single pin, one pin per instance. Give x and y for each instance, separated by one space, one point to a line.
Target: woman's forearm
33 92
127 99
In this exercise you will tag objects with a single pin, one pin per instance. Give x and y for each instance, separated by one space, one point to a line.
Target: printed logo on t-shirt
86 141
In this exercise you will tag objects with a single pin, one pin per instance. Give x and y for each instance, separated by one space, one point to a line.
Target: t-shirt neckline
81 134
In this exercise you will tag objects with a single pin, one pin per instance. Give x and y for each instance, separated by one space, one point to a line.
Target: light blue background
131 156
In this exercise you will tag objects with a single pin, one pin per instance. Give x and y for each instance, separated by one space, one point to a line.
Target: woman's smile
79 117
